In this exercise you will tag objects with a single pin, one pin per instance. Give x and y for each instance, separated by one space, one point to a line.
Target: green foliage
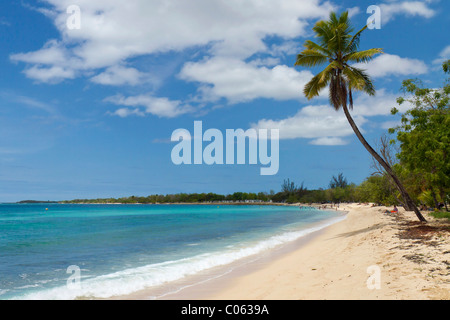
440 214
428 198
341 191
424 136
376 189
288 186
338 182
446 66
180 198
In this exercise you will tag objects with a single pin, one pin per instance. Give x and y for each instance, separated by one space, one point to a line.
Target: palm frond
314 46
323 33
354 43
340 38
362 56
359 80
310 58
317 84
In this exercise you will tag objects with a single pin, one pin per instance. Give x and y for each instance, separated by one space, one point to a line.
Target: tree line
181 198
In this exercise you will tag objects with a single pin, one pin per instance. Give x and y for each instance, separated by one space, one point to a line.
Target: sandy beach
368 256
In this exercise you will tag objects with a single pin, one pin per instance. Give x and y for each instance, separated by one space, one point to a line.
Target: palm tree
338 48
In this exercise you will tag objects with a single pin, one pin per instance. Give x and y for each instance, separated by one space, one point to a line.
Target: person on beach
394 211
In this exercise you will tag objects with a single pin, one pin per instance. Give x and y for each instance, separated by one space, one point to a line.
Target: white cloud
326 141
53 52
390 124
444 55
52 64
126 112
147 104
407 8
238 81
389 64
119 75
322 124
353 11
113 31
52 74
379 105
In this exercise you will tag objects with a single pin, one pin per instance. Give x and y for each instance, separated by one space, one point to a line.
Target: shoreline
207 282
367 256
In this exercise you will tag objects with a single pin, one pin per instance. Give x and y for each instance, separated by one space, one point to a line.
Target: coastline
208 282
343 261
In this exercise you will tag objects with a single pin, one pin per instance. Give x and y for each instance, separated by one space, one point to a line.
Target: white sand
339 263
369 256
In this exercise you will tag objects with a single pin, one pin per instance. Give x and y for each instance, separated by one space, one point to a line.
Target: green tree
288 186
338 49
338 182
376 189
424 135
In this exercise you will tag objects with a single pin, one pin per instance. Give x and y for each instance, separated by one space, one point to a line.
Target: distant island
35 201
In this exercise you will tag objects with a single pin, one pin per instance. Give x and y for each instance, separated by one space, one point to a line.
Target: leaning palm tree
338 49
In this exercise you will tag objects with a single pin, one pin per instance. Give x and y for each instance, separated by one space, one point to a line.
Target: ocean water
64 251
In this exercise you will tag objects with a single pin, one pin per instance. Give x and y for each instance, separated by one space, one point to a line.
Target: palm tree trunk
410 205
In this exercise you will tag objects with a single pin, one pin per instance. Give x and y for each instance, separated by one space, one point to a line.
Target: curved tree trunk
409 204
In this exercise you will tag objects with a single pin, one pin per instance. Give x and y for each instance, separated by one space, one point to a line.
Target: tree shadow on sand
360 231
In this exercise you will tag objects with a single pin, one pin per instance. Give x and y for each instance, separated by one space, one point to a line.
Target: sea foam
132 280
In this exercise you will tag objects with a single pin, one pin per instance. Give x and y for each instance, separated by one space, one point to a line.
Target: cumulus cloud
326 141
407 8
444 55
119 75
148 104
322 125
113 31
234 60
126 112
52 74
238 81
379 105
389 64
52 64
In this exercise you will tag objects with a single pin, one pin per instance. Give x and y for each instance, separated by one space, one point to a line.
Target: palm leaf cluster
337 48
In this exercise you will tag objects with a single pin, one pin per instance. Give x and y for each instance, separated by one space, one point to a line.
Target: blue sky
89 112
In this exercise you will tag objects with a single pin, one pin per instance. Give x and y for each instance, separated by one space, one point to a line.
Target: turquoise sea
65 251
